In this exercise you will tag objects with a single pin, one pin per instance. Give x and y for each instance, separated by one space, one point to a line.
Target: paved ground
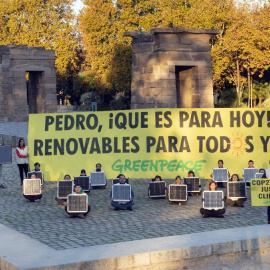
48 223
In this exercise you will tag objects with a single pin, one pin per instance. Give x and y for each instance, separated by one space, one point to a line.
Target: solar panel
193 184
178 193
116 181
213 200
64 188
97 179
121 192
31 186
5 154
83 181
38 174
157 189
249 173
220 174
259 175
76 203
236 189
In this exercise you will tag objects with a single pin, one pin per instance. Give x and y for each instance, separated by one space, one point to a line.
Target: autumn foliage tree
103 23
46 23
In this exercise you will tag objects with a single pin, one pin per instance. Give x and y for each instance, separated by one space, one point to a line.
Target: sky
77 6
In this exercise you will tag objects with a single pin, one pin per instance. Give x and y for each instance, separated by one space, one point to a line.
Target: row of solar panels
77 203
221 174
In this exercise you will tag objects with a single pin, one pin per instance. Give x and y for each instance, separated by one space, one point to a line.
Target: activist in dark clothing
78 190
237 202
212 213
268 207
122 205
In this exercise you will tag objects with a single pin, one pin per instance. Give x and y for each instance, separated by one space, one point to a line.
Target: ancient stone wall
27 82
171 68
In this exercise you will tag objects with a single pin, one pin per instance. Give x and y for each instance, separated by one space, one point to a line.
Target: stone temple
27 82
171 68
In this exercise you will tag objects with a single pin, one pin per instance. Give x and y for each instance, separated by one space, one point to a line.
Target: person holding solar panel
78 190
219 213
63 201
32 198
177 181
122 205
102 173
220 166
235 202
158 178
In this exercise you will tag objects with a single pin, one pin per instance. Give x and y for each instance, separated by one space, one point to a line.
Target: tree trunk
238 80
249 89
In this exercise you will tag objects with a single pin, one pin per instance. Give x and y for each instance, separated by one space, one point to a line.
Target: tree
243 50
46 23
103 23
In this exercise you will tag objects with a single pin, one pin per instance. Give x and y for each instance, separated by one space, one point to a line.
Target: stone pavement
49 224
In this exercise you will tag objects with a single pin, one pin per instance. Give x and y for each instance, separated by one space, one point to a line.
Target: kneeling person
122 205
78 190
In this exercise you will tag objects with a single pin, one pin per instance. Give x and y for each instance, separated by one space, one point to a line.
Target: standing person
265 176
22 159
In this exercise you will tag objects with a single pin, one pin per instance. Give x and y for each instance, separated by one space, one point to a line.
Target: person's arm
111 198
132 195
19 155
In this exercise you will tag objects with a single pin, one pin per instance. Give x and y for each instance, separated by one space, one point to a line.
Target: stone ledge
173 251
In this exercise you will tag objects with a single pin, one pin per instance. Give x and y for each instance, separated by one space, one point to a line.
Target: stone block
169 91
136 260
151 84
153 59
156 91
257 243
167 84
168 256
148 69
168 99
228 247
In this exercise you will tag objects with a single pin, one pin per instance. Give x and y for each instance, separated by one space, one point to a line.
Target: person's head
77 188
191 174
21 143
33 176
122 179
220 163
178 180
67 177
250 164
98 167
212 185
157 178
235 177
83 172
37 166
264 172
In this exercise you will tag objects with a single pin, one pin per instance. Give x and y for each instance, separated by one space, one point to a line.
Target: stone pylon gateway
171 68
27 82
